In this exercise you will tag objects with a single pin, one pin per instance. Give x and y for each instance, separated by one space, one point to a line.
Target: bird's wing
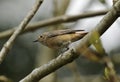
62 32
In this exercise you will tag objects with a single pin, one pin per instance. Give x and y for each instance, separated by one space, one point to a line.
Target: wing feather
62 32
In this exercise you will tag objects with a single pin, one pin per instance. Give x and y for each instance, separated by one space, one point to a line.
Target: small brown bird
60 38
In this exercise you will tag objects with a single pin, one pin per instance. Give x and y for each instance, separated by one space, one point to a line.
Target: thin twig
70 55
109 65
114 1
7 46
52 21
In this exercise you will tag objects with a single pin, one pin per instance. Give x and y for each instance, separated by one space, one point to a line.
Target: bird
60 39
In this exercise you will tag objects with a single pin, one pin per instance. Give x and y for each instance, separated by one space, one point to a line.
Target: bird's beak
35 41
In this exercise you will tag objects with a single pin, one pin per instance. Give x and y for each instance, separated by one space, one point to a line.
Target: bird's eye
41 36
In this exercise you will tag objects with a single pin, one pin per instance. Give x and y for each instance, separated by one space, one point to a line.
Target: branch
53 65
52 21
7 46
72 54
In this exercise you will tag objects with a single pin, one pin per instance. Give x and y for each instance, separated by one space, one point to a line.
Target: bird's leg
65 47
62 50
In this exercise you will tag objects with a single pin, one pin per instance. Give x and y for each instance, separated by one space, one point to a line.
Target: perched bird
60 38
